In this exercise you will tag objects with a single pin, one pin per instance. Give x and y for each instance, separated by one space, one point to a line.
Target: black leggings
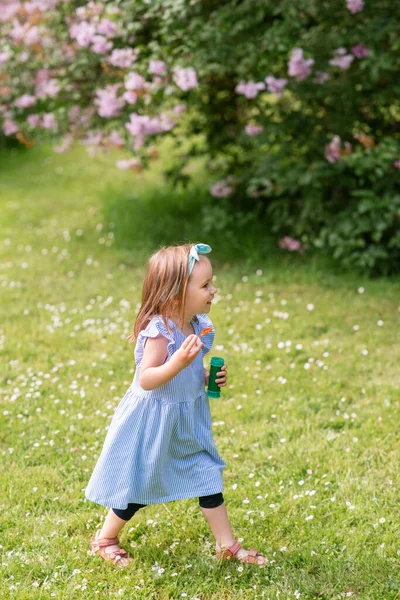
205 502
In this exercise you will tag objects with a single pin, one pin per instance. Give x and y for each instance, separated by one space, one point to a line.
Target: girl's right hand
187 352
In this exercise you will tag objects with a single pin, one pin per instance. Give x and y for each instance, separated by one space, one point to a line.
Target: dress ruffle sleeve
155 328
207 339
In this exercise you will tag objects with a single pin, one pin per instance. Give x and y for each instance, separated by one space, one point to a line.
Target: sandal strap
103 542
251 557
120 552
232 550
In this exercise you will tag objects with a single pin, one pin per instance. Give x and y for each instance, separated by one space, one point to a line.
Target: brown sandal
98 546
231 553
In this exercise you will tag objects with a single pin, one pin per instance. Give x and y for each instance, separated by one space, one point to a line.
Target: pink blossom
30 7
143 125
355 6
156 83
4 57
100 45
123 58
396 164
341 59
9 127
49 121
83 33
74 114
78 116
321 77
249 89
157 67
33 120
179 109
47 89
42 76
275 86
89 9
360 51
65 145
332 150
186 79
93 138
17 32
106 27
291 244
25 101
115 139
109 105
134 81
253 129
41 5
299 67
130 97
23 56
8 10
130 163
86 115
32 36
221 189
166 122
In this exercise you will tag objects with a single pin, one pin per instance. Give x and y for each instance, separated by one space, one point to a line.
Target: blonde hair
167 271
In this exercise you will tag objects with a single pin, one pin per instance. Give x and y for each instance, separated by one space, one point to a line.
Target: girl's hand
206 376
187 352
222 376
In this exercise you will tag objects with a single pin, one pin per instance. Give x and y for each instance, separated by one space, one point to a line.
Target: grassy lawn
309 426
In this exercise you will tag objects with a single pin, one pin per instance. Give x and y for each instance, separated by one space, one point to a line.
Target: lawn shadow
155 214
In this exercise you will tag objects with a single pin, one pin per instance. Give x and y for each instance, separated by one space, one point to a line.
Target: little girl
159 446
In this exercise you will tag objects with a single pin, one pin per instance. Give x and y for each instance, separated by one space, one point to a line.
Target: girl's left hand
222 376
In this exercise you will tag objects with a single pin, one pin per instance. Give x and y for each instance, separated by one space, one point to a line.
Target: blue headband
194 255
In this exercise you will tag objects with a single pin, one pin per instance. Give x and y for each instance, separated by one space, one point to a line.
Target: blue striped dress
159 446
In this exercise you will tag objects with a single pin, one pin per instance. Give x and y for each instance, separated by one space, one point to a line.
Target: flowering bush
293 105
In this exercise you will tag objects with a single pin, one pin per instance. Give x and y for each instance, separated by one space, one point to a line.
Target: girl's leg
215 513
114 522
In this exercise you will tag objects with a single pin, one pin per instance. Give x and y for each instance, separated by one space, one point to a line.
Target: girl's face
200 289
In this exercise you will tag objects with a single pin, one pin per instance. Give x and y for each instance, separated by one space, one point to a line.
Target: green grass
320 442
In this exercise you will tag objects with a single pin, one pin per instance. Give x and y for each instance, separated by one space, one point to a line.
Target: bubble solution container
213 390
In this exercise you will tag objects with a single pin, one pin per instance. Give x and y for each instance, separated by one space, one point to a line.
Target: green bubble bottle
213 390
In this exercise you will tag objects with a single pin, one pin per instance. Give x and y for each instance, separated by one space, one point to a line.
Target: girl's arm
154 371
